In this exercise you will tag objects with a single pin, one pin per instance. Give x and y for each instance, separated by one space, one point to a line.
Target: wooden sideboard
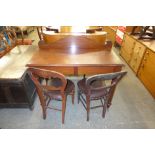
140 56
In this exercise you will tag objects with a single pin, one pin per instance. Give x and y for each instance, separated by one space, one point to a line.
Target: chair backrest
40 31
38 75
3 43
104 82
10 36
44 81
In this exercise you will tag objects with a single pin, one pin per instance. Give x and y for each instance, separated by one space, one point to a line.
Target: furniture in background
98 87
50 28
52 85
146 71
41 29
111 33
132 51
17 90
146 32
93 30
22 30
140 56
3 45
115 33
10 39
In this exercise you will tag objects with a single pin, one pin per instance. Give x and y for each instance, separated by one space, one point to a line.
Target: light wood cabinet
140 56
127 48
137 56
132 51
147 71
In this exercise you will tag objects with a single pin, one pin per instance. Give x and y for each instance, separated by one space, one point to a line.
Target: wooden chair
51 85
12 39
40 31
4 48
98 87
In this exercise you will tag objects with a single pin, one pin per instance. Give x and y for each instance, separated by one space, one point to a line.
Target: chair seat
56 95
95 94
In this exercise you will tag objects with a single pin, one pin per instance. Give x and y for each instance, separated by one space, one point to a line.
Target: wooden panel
87 70
98 70
98 38
147 71
50 37
137 56
64 70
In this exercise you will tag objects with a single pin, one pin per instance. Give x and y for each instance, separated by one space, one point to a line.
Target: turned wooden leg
78 96
44 112
63 108
73 97
88 106
104 109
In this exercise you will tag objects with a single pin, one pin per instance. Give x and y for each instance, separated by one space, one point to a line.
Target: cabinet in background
137 55
132 51
127 48
17 93
147 71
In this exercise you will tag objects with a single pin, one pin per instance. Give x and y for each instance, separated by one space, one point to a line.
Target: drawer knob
144 59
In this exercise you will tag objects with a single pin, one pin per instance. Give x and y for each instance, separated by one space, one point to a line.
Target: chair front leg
88 106
44 111
43 105
104 110
63 108
79 96
73 94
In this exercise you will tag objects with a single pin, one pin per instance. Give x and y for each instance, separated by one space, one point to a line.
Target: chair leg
63 108
88 106
73 94
104 109
78 96
44 112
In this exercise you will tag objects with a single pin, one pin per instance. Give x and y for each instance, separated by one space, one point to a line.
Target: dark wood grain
76 64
